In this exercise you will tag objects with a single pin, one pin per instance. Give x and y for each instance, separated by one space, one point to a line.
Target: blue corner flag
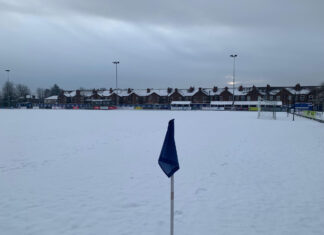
168 159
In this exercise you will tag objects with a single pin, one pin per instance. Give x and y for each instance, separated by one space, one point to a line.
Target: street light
8 70
116 63
233 56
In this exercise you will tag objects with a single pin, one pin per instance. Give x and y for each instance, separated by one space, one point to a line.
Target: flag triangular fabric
168 159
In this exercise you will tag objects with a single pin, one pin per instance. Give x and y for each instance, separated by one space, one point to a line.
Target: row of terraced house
287 95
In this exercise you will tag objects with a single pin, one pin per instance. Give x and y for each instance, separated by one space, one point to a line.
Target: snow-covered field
96 172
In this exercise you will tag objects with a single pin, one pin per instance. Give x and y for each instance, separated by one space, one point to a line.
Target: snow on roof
181 102
86 93
122 92
160 92
303 91
141 92
186 92
274 92
67 93
53 97
237 91
211 91
103 93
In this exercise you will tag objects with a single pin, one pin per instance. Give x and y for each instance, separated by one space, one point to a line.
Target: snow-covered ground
96 172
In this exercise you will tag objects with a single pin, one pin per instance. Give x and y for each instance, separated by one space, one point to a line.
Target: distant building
196 96
51 100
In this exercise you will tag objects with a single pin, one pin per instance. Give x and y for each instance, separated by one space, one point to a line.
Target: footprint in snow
213 174
131 205
199 190
177 212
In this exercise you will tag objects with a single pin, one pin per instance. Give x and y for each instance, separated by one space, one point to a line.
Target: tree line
12 93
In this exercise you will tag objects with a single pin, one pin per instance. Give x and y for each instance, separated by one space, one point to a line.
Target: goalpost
267 108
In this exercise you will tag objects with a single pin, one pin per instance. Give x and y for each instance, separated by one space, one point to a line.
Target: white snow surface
96 172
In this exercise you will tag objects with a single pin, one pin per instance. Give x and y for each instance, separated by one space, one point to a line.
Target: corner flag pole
169 163
172 206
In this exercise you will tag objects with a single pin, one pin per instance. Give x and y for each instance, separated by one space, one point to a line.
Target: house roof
274 92
53 97
304 91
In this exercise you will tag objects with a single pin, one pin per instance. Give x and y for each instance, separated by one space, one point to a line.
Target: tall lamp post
233 56
8 71
116 63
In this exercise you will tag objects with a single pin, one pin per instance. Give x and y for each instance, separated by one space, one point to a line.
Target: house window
310 97
271 97
221 98
248 98
302 97
237 97
204 99
289 97
278 98
242 97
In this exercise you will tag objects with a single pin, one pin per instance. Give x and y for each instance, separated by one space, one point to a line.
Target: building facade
202 96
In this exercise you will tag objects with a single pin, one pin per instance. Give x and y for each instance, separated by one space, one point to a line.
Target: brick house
200 97
225 95
77 98
254 94
153 97
176 96
287 95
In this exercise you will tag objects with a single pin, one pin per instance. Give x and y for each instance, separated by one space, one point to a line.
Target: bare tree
40 93
8 93
22 91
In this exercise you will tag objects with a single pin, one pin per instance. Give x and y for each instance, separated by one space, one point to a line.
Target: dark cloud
161 43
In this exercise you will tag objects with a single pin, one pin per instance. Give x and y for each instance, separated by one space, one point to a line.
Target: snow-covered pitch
96 172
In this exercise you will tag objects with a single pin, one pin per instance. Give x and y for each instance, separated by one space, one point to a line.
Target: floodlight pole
294 107
233 56
116 63
8 71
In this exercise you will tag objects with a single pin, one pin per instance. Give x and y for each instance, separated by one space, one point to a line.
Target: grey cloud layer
162 43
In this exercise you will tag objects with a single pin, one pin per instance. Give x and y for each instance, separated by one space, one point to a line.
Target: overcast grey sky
161 43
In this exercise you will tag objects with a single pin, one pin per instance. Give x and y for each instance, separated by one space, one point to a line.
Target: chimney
169 90
297 87
200 88
215 88
191 89
111 90
253 88
148 90
176 89
268 88
129 90
226 88
240 88
78 92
